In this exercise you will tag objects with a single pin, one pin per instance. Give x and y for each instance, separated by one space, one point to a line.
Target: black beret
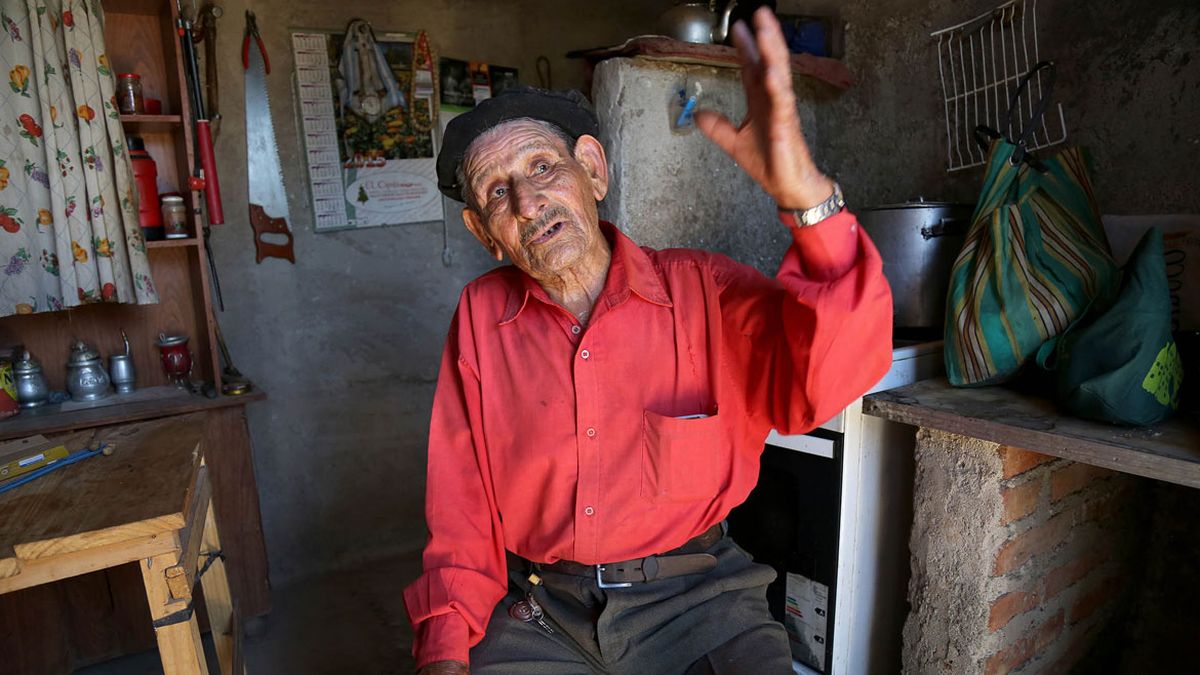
568 110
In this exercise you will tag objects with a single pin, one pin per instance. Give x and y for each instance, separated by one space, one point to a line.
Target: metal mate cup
120 371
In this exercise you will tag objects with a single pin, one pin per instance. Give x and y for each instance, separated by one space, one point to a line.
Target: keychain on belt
528 610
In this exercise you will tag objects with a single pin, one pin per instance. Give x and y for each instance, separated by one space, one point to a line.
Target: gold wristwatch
827 208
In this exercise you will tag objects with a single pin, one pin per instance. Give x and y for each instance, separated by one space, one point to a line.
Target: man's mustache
529 232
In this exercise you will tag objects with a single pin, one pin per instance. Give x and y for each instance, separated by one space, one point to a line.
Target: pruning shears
252 32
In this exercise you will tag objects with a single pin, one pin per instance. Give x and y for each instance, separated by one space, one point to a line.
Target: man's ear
475 225
590 154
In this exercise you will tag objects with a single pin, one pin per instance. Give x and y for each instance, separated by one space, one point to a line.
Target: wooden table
1169 451
150 502
59 628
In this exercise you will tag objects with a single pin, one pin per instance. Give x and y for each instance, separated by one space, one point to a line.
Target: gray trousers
715 623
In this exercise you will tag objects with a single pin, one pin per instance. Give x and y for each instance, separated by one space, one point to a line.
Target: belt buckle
602 584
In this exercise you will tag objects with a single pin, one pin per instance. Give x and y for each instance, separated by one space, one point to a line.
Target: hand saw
268 200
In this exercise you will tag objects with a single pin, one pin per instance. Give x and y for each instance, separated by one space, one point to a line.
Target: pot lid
81 353
165 340
27 364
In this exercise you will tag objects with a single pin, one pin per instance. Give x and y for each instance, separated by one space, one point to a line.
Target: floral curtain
69 232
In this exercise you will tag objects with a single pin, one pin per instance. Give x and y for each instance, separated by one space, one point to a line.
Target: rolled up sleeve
817 336
464 563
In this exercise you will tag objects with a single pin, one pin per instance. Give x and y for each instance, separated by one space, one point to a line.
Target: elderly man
602 407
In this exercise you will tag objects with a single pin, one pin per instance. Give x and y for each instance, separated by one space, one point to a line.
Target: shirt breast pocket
680 457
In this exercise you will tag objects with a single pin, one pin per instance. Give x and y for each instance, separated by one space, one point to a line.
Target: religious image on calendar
368 110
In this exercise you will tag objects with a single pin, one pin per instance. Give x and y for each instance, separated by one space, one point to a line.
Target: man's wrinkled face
534 200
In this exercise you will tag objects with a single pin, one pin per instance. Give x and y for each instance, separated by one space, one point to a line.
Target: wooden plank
1169 451
235 502
94 539
172 243
174 401
141 490
193 533
46 570
221 607
179 644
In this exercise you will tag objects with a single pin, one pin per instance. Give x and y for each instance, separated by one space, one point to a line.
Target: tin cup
120 371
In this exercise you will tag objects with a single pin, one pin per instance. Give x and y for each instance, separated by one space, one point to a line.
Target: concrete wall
1128 80
679 189
347 341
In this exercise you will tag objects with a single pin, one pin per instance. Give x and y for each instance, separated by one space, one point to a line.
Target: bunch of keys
528 610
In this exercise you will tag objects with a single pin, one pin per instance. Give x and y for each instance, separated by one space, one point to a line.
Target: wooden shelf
149 7
1169 451
173 243
141 404
143 123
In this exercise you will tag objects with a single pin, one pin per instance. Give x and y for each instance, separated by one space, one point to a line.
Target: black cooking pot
918 241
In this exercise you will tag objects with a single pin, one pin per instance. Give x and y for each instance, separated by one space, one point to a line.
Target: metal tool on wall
268 199
207 18
204 163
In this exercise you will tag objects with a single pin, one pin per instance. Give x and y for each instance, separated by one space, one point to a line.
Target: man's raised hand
768 145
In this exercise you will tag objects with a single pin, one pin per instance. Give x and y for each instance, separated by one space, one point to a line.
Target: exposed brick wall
1018 558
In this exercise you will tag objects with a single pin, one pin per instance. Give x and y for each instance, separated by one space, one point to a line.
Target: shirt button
591 432
575 329
584 354
589 511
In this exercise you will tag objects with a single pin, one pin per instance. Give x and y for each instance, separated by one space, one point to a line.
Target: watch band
827 208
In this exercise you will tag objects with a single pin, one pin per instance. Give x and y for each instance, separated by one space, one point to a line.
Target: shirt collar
629 271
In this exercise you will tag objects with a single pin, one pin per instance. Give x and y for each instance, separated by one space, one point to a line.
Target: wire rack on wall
981 62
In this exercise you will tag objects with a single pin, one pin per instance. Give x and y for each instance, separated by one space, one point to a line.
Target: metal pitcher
696 22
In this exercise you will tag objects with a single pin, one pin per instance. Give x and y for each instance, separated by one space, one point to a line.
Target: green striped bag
1035 256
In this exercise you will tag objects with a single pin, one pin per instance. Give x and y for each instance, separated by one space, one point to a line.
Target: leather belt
687 559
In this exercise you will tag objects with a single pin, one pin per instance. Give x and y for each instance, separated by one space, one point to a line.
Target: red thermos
145 174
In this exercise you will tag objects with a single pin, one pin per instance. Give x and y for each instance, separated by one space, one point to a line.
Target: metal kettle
696 22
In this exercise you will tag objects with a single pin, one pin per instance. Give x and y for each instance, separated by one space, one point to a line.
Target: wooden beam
1169 451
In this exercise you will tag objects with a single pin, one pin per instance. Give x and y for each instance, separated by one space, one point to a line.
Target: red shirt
556 441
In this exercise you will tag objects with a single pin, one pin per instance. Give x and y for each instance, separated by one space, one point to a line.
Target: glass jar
129 94
174 217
